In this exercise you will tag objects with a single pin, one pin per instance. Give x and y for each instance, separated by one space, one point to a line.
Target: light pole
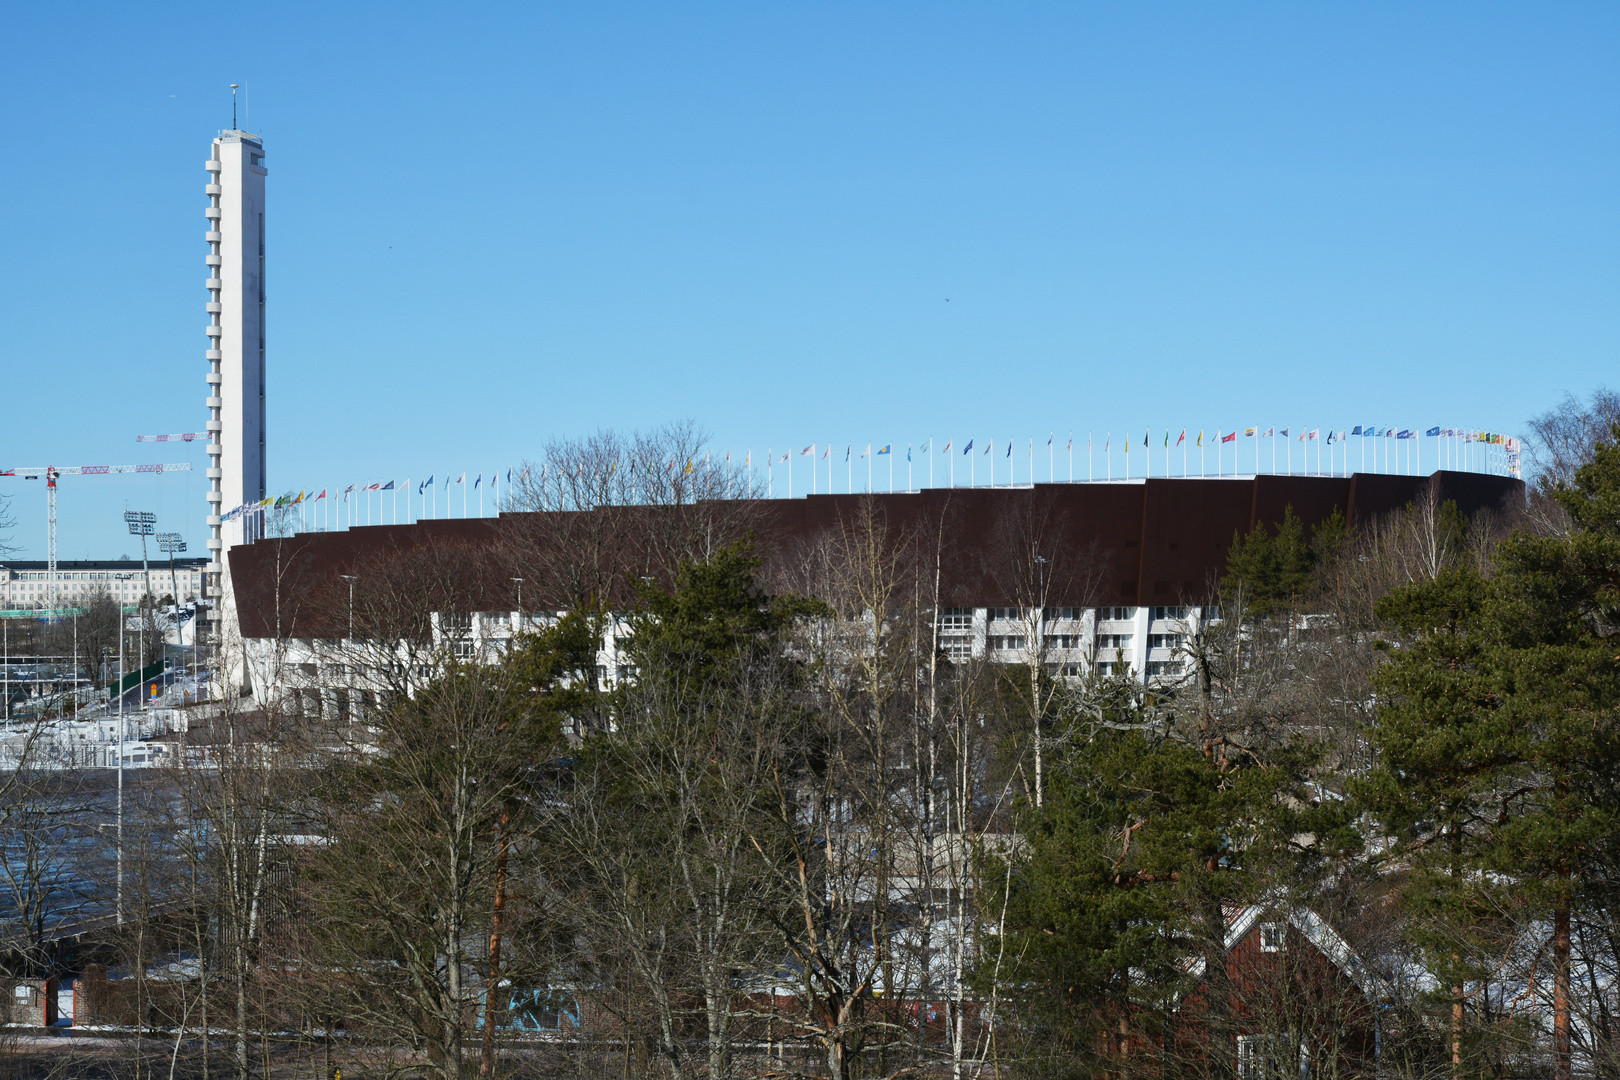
350 578
348 663
141 524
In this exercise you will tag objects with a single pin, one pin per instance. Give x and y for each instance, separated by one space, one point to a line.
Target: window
1273 937
1062 641
1110 642
1065 614
956 618
1007 642
1160 613
1261 1057
1166 641
1116 614
1009 613
1165 667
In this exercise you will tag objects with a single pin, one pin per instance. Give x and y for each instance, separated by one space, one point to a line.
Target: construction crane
51 473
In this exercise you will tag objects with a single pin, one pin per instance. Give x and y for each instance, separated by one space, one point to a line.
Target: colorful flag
1249 433
388 486
1432 431
1356 430
1229 438
424 485
947 448
480 479
1200 437
1269 431
462 479
1183 437
885 450
321 496
968 447
1314 432
808 451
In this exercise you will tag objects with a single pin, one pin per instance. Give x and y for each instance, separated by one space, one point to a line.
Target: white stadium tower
236 346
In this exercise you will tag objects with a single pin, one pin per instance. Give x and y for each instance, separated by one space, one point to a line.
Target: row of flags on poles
1509 443
356 489
1303 435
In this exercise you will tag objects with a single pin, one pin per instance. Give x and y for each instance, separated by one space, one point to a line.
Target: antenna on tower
233 106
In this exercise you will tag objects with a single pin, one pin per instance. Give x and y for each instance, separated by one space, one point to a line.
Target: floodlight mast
170 543
141 524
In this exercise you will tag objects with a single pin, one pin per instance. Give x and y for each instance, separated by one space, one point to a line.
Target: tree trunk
486 1067
1561 1056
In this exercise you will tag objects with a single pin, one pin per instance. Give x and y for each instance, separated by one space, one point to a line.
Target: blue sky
490 225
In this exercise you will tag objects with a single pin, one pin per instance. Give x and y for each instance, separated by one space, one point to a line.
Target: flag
479 479
1432 431
1144 438
424 485
1071 441
1167 439
1229 437
1249 433
968 447
883 451
1330 437
1049 438
321 496
1009 448
908 451
1356 430
388 486
1200 437
688 469
1283 433
867 452
947 447
462 479
1183 437
848 448
991 447
808 451
1269 431
1314 432
827 453
509 477
785 455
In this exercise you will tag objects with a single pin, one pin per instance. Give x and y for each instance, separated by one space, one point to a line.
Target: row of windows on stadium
962 618
1105 642
96 575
